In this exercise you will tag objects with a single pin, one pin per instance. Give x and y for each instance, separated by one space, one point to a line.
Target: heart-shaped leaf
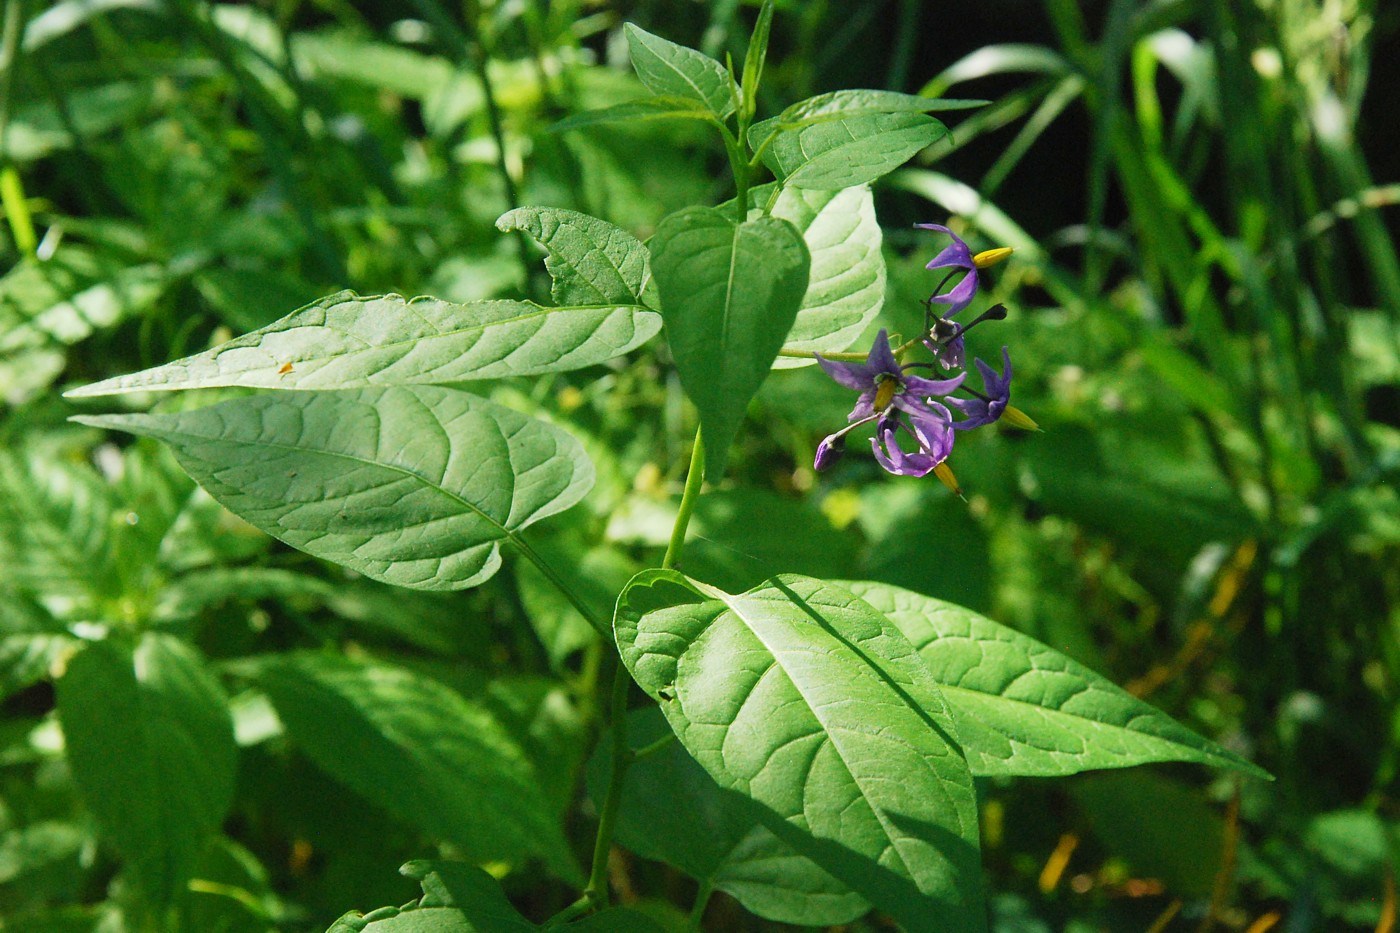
413 485
345 341
1024 708
729 295
803 698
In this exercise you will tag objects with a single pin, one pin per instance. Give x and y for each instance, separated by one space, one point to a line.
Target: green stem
899 351
646 751
697 910
693 479
560 584
597 890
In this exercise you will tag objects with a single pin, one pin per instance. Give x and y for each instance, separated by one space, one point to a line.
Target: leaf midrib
506 533
878 812
112 387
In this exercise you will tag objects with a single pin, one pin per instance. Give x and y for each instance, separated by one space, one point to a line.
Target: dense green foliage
306 630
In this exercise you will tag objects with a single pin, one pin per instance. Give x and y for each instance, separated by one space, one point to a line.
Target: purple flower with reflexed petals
990 406
933 446
955 255
900 402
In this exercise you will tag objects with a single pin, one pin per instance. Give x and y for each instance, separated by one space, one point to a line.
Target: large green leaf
591 261
418 749
729 294
413 485
150 742
848 151
1024 708
675 71
846 284
345 341
674 812
800 696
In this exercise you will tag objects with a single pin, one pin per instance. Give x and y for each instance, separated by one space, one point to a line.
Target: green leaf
848 151
1025 709
150 743
861 103
755 58
418 749
591 261
637 111
415 485
1160 827
346 341
846 284
26 659
674 812
800 696
676 71
55 528
729 293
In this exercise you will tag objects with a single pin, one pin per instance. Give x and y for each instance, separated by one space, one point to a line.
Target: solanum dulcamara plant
809 746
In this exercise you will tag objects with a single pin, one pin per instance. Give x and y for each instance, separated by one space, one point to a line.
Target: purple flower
955 255
933 437
991 405
900 402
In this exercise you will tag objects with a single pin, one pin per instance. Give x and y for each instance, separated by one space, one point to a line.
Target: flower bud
828 452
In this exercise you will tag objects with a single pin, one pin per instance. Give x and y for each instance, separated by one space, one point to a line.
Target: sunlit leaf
800 696
414 485
848 151
846 284
591 261
1023 708
673 811
346 341
637 111
674 70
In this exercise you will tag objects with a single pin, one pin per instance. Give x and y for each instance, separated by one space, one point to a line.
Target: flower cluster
907 405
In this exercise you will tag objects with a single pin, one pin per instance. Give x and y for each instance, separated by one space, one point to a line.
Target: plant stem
693 480
595 895
597 890
697 910
899 351
552 575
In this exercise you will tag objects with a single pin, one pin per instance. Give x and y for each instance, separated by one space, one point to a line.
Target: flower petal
960 295
923 388
881 358
851 375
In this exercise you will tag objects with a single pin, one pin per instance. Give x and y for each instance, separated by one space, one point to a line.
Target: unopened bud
828 452
1014 417
990 257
